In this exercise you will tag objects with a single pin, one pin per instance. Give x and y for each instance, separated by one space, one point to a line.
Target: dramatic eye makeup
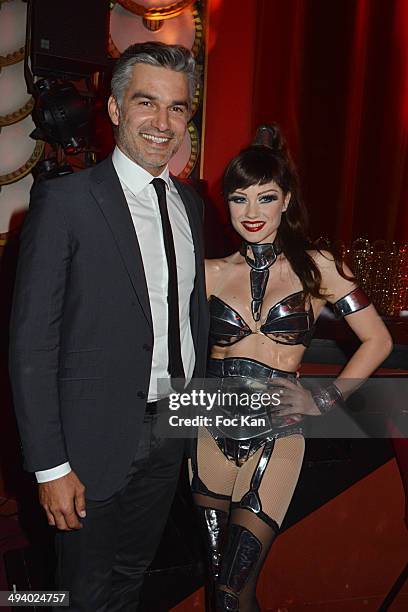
237 199
263 198
268 198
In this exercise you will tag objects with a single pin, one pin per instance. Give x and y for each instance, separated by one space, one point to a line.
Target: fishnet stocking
242 538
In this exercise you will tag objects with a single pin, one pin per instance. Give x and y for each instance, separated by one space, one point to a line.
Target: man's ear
113 110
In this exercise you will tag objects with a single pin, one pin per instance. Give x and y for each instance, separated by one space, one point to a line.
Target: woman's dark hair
270 161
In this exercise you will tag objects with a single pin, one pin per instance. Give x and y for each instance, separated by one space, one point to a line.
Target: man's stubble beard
135 153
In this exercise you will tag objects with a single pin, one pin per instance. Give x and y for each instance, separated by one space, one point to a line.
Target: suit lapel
107 191
193 218
193 214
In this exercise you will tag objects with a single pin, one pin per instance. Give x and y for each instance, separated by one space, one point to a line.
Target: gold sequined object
381 269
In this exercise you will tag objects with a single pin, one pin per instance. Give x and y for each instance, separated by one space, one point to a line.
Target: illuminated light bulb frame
21 113
162 13
195 147
15 56
22 171
158 13
153 25
114 51
17 115
12 58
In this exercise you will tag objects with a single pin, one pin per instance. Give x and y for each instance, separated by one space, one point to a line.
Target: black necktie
175 365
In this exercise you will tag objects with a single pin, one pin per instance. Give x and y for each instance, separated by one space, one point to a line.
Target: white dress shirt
144 209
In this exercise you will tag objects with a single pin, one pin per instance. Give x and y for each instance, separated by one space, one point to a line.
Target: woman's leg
212 481
261 496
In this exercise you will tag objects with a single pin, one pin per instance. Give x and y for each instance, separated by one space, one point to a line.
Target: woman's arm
376 342
376 345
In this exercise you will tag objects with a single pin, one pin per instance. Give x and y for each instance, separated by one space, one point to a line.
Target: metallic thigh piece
227 602
240 557
215 522
352 302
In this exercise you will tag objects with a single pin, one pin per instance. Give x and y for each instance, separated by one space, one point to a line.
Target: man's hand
63 500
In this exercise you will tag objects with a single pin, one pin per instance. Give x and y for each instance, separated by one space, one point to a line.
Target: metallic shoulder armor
352 302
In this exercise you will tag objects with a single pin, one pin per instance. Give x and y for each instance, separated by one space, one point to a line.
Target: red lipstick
253 226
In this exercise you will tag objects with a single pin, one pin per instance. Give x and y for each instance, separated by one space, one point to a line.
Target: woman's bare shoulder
215 269
219 265
324 260
333 284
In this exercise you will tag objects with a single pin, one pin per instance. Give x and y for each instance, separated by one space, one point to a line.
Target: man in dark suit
110 301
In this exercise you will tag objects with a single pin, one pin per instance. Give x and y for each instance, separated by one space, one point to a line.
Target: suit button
147 347
141 394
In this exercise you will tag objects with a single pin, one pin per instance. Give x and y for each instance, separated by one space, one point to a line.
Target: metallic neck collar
260 257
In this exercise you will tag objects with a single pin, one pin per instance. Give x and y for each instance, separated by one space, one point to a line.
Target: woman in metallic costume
264 301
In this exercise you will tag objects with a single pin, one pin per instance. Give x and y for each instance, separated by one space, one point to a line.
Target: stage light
61 115
51 168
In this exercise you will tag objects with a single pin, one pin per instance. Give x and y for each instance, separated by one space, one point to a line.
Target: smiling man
109 300
151 116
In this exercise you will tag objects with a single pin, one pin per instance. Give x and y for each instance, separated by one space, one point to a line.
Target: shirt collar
134 176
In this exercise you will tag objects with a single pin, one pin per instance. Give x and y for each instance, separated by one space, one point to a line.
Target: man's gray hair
174 57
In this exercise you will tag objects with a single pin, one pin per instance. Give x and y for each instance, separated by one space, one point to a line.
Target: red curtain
334 76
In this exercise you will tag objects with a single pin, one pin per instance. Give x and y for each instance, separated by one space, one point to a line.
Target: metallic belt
241 366
242 378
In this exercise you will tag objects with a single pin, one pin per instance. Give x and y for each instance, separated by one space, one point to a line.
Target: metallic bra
287 322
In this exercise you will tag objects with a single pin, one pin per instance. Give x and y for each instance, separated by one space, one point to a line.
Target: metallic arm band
328 398
352 302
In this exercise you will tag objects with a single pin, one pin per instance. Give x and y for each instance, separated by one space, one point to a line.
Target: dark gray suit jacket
81 330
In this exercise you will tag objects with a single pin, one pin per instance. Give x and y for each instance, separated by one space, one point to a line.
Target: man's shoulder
186 186
70 183
190 194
